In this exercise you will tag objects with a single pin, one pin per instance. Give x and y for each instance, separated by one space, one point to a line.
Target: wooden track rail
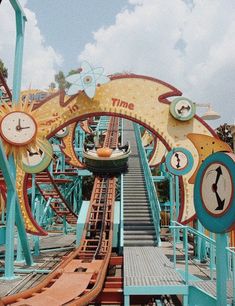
47 186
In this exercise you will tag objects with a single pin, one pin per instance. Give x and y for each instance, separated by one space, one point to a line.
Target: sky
189 44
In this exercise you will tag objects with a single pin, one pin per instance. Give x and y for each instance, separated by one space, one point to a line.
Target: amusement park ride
125 135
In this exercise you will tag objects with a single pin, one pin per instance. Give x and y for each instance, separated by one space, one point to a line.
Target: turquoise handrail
152 194
176 226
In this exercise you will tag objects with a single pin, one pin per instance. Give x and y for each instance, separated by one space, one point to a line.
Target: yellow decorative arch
140 99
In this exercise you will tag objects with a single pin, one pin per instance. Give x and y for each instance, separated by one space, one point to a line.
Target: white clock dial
18 128
179 160
216 189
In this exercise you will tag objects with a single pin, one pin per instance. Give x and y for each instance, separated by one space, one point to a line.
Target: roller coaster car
106 160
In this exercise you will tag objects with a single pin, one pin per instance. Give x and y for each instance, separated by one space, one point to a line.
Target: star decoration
86 79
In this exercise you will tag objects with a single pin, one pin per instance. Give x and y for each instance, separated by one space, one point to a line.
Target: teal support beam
36 239
81 221
19 251
13 213
221 269
20 27
121 243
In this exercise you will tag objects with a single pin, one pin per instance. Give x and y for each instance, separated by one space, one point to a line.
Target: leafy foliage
224 133
3 69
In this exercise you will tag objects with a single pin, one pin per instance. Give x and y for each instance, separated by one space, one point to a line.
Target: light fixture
209 114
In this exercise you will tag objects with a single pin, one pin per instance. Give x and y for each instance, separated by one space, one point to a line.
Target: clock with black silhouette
37 158
179 161
182 109
214 197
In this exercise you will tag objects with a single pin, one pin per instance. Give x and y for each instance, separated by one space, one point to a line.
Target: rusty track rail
47 186
80 277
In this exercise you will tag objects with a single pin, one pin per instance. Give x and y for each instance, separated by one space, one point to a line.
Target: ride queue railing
177 227
152 194
231 268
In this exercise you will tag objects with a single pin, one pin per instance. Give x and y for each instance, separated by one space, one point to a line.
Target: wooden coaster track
47 186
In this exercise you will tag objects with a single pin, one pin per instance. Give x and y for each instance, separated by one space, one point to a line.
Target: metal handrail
186 230
152 194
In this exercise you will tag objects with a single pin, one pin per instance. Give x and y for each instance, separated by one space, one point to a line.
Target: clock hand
183 108
18 127
219 201
219 173
178 160
25 127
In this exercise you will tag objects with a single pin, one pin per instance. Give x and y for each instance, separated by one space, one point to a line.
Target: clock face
63 132
214 198
182 109
179 161
37 159
18 128
216 189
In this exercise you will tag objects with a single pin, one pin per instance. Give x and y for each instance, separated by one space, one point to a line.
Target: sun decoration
86 79
23 132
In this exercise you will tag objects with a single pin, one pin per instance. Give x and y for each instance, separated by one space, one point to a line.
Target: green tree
224 133
3 69
60 80
52 86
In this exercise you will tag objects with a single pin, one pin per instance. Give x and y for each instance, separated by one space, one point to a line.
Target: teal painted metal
81 221
19 251
200 244
159 178
121 243
13 213
36 239
20 27
116 225
152 195
149 290
232 269
185 240
221 269
2 234
198 297
178 226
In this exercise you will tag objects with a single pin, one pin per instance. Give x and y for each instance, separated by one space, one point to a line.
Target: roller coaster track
47 186
79 279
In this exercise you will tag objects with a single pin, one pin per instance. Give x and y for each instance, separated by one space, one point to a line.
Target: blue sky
189 44
68 25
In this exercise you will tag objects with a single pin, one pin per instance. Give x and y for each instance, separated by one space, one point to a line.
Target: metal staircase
139 229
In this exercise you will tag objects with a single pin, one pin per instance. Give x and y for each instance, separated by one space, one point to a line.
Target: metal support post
221 269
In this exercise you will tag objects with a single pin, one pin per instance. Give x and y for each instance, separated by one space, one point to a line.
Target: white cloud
189 44
40 62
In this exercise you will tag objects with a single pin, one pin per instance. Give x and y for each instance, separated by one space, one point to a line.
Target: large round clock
179 161
214 197
182 109
18 128
37 158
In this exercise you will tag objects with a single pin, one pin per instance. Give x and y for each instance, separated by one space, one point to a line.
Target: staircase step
139 243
